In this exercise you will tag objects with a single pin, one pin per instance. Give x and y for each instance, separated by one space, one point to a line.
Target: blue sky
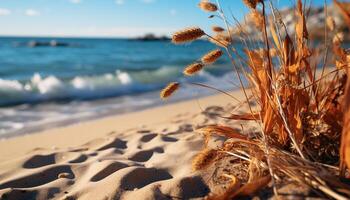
108 18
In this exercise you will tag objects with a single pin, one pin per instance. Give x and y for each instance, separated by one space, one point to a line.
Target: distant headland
151 37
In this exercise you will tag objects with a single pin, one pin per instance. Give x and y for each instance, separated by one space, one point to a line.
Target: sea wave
51 88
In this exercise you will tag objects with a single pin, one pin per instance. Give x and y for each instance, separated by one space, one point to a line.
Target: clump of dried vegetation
303 111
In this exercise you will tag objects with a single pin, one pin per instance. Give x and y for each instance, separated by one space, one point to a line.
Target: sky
110 18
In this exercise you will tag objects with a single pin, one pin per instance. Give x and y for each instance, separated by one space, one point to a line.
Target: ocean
47 82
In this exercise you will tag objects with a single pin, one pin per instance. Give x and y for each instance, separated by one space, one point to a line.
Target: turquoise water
45 81
88 69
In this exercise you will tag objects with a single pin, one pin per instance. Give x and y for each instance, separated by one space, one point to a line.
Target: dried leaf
269 120
247 116
288 51
345 138
274 36
343 11
223 131
251 188
254 59
229 192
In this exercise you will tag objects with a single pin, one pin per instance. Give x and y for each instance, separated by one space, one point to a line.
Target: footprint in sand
116 143
131 179
38 178
108 170
38 161
149 137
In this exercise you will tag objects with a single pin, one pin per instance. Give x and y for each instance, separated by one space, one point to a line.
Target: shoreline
55 137
29 118
106 157
156 102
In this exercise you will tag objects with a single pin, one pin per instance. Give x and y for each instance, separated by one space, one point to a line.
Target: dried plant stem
230 56
245 93
283 116
320 79
276 28
268 159
331 193
237 73
240 79
269 65
325 56
238 156
216 89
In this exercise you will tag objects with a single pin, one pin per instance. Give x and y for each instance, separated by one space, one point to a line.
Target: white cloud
119 2
4 12
76 1
31 12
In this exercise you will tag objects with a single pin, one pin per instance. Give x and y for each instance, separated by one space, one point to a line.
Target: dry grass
204 159
217 29
169 90
207 6
303 113
187 35
192 69
212 56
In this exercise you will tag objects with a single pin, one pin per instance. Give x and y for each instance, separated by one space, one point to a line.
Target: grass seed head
192 69
217 29
169 90
208 6
212 56
221 39
257 18
330 23
187 35
251 3
338 38
204 159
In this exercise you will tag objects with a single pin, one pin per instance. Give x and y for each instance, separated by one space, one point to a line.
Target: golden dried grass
169 90
187 35
204 159
330 23
207 6
212 56
217 29
221 39
303 115
257 18
193 69
250 3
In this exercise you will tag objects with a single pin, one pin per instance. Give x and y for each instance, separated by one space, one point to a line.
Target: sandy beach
151 100
140 155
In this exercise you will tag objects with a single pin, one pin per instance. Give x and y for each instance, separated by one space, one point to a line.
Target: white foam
124 77
10 85
109 76
36 79
51 88
79 83
50 85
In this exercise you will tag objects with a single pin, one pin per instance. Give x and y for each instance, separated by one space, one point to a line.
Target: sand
140 155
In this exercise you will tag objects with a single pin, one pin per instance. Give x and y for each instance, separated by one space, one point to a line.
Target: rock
64 175
151 37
